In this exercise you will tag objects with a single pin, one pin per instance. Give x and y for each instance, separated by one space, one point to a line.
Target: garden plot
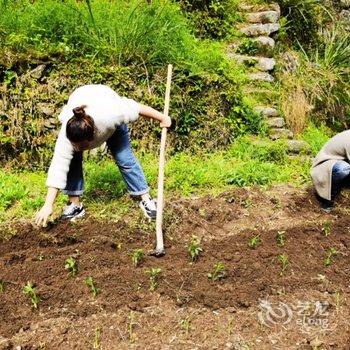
245 270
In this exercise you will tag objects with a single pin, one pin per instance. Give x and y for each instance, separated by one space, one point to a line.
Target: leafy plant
137 257
154 273
194 249
72 266
254 242
218 273
30 290
281 238
97 339
2 286
186 325
283 258
326 228
331 253
91 284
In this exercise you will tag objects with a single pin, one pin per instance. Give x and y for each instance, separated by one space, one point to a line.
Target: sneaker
326 205
73 212
149 208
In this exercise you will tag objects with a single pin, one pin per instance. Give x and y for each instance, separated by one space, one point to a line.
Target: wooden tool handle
160 201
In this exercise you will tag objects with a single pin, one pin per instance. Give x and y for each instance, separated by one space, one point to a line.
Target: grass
154 273
247 162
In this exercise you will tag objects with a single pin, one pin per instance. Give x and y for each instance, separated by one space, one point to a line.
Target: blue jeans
120 147
340 177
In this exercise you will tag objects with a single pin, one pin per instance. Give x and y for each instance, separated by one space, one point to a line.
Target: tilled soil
187 310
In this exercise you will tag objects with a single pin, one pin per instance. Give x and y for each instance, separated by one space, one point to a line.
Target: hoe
160 251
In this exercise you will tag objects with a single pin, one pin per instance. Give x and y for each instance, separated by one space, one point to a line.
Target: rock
245 7
37 72
345 18
263 17
290 61
345 3
265 44
297 146
260 29
276 7
46 109
279 133
262 63
277 122
267 112
266 64
261 76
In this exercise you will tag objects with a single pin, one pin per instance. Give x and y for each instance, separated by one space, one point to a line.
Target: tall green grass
121 31
247 162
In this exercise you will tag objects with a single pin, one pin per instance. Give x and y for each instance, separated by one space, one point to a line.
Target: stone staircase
254 49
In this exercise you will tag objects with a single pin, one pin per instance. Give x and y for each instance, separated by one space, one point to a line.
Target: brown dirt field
310 302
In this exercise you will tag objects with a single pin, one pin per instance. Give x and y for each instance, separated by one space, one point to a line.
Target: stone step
280 133
260 7
260 29
267 112
261 45
261 76
275 122
263 17
297 146
262 63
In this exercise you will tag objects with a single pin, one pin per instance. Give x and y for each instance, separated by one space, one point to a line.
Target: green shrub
304 19
211 18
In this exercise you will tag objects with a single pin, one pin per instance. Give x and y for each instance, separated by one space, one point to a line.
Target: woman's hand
43 215
166 122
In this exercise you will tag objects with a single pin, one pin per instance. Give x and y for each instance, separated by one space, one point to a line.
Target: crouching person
95 114
331 169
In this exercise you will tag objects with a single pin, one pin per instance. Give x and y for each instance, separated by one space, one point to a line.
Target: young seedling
30 291
254 242
329 257
2 286
283 258
186 325
91 284
326 228
281 238
137 257
154 273
218 273
194 249
72 266
41 257
97 339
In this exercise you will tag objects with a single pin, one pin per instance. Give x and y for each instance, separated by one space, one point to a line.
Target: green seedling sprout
2 286
281 238
72 266
218 273
194 249
137 257
90 283
283 258
329 257
326 228
30 291
41 257
154 273
254 242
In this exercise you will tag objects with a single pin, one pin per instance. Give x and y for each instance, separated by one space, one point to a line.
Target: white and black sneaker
149 208
73 212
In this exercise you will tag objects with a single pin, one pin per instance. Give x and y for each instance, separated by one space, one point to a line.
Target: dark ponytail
81 126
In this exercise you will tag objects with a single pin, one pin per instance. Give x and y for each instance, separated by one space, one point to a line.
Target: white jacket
106 108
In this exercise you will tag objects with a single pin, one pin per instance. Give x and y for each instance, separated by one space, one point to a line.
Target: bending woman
95 114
